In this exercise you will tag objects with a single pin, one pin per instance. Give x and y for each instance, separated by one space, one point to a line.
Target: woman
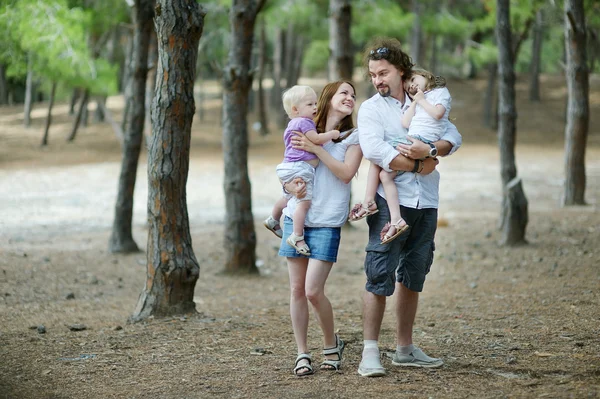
339 163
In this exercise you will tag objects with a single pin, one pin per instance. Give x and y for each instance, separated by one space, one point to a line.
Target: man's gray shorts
408 258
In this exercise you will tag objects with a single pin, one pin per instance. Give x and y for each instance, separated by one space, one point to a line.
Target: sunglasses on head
381 52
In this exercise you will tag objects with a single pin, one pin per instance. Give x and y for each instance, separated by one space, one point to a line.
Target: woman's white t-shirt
331 196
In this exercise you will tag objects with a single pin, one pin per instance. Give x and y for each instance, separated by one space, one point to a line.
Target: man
403 263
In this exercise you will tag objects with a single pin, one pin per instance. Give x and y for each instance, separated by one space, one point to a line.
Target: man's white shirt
379 123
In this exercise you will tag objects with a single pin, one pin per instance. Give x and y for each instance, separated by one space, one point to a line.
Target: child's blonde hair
292 97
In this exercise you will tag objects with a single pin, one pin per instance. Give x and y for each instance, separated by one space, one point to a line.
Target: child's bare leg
372 184
391 195
278 208
302 208
368 206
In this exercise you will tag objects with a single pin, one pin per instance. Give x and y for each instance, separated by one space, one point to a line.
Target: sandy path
80 198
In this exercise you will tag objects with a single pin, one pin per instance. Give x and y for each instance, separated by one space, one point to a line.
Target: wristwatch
432 151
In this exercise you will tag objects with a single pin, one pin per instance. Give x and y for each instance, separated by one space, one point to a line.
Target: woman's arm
344 171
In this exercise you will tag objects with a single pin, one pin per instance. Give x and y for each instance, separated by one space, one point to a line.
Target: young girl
425 120
300 103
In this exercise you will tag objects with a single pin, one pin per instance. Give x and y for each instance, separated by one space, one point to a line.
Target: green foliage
316 57
379 18
447 24
55 39
483 53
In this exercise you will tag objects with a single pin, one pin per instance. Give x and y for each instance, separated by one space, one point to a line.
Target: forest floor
508 322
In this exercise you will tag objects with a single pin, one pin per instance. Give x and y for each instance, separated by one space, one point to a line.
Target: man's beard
385 93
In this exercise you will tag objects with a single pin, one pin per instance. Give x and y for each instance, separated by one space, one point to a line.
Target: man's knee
380 273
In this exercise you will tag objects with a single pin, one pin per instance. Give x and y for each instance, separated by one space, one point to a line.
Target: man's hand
429 165
296 187
416 150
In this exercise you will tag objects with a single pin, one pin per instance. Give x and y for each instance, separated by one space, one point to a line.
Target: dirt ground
508 322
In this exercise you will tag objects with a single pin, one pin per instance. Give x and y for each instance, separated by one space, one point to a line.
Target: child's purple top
299 125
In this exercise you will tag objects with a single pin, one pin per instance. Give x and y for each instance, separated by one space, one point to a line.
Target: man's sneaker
416 359
370 365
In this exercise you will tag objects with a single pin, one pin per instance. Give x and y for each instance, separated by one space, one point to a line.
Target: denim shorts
323 242
408 258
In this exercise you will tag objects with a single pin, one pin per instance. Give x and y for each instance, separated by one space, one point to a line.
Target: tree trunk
536 57
262 106
578 106
200 107
82 105
74 97
296 68
85 115
172 268
121 239
49 117
240 237
416 33
514 211
116 127
127 78
28 92
341 60
490 108
289 55
277 69
433 60
150 81
3 86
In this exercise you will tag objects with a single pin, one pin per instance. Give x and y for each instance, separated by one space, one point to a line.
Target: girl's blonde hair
292 97
432 80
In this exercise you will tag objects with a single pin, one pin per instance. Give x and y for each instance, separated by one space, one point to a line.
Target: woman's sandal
292 242
400 228
360 211
273 225
334 365
305 365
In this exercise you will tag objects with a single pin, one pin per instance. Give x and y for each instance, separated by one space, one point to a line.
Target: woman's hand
416 150
300 142
296 187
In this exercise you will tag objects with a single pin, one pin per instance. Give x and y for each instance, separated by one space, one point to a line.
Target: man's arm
372 137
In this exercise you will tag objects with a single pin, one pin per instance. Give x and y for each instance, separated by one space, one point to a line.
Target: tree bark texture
416 34
240 236
536 58
262 104
150 81
82 105
49 116
513 229
172 268
3 86
341 60
28 93
578 103
490 108
277 68
121 239
74 97
516 211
